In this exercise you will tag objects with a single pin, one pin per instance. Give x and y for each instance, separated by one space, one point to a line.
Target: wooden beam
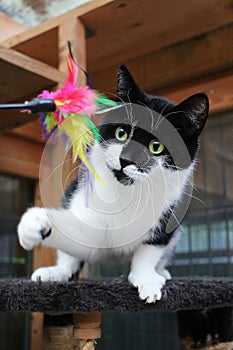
9 27
49 193
30 131
129 29
197 58
30 34
87 328
219 90
30 64
74 31
42 47
10 119
21 78
136 36
20 157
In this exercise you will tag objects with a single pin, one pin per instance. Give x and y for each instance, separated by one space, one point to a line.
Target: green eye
156 147
121 134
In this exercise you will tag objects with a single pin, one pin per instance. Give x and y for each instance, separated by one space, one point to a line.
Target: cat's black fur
189 129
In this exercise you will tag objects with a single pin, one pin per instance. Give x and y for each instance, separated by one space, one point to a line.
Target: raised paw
149 285
33 227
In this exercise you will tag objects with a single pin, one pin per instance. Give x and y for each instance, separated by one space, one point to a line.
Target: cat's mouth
122 177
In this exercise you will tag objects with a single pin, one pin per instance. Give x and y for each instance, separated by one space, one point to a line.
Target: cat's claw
33 227
149 285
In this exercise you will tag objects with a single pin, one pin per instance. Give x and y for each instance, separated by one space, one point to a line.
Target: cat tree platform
115 294
207 302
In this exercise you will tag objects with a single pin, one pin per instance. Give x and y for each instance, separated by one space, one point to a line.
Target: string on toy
87 75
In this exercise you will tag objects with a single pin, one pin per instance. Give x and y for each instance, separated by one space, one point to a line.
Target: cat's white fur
116 220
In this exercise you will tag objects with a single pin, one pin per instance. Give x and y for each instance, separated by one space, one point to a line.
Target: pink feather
70 98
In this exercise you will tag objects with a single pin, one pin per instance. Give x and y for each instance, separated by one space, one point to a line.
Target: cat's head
149 131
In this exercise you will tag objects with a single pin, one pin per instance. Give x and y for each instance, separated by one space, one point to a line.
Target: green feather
103 101
92 127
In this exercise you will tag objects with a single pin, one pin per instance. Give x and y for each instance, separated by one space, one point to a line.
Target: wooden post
87 329
42 256
86 325
59 338
72 30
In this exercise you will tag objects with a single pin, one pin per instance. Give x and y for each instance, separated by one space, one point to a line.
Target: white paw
33 227
50 274
149 285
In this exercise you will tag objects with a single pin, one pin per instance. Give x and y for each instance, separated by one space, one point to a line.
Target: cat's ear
190 115
127 88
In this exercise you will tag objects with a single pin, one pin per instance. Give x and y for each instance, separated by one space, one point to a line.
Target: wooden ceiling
126 29
163 42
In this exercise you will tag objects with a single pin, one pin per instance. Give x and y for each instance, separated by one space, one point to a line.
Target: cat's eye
121 134
156 147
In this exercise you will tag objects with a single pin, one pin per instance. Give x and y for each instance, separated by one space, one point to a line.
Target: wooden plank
43 47
37 321
218 88
43 256
59 338
31 65
135 36
193 59
22 77
17 83
67 31
81 52
9 27
32 33
87 328
20 157
12 119
87 320
127 29
30 131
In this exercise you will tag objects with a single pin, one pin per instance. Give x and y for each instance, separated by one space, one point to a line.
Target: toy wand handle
36 105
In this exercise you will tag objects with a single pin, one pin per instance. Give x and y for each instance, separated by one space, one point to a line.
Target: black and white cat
145 158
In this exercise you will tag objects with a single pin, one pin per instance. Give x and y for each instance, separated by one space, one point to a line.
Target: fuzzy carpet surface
112 294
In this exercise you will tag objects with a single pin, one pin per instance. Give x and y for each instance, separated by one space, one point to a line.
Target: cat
146 159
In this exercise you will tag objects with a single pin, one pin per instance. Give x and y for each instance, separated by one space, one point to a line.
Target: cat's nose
125 162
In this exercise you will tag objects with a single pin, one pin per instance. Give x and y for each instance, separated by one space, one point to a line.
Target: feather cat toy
74 107
69 111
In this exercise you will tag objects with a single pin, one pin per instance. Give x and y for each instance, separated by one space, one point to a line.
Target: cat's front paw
149 285
33 227
50 274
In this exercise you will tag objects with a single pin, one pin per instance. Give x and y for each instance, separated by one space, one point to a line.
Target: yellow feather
81 137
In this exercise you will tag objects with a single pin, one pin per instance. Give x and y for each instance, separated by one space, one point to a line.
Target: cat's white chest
112 205
117 217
